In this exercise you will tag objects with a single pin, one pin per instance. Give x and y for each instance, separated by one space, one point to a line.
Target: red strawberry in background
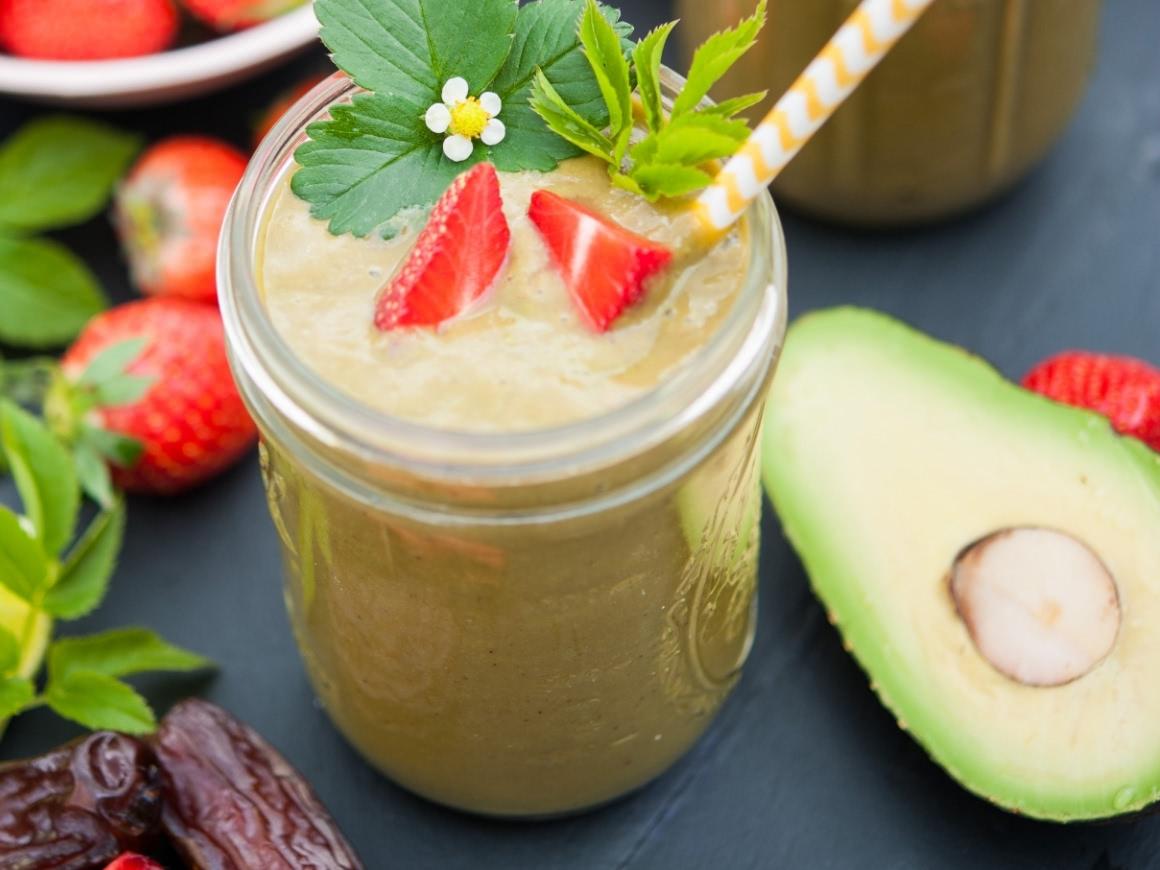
226 15
1125 390
147 384
604 265
282 105
169 212
131 861
456 259
86 29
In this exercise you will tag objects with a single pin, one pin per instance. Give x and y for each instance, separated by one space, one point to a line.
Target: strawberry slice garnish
1123 389
456 259
604 265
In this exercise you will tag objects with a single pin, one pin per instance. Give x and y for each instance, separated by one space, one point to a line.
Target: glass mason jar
957 113
518 624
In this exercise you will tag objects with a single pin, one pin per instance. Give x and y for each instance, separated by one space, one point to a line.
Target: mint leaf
46 293
84 578
16 694
93 474
44 475
716 57
118 653
672 180
60 171
406 50
9 650
23 565
547 40
100 702
567 122
606 57
735 106
646 59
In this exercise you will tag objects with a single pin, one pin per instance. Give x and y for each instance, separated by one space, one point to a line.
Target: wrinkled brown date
79 806
233 803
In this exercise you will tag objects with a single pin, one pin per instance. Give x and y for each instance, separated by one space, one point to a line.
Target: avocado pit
1040 605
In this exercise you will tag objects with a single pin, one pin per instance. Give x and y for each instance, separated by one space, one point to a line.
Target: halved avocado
991 557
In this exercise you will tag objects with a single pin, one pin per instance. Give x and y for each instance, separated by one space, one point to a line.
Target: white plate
159 78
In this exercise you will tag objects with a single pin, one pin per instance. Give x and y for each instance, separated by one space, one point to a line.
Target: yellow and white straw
849 57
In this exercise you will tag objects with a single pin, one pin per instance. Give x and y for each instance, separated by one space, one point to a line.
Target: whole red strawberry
282 105
154 372
169 212
226 15
132 861
86 29
1123 389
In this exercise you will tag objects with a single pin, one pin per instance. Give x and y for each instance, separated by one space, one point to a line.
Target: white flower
464 119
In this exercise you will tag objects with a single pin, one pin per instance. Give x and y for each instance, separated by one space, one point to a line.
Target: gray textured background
803 769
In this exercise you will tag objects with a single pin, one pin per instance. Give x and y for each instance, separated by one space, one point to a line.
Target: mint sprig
51 577
54 172
671 158
375 158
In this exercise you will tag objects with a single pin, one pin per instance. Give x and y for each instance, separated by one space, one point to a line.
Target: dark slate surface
804 768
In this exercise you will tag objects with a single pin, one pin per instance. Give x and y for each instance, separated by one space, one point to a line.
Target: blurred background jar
966 104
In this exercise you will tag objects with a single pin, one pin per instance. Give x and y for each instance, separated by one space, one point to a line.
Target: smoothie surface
522 358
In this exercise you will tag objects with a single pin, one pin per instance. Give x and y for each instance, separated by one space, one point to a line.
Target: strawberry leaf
119 449
23 565
60 171
694 139
118 653
567 122
44 475
605 55
112 361
672 180
46 293
735 106
373 160
716 57
16 694
100 702
85 576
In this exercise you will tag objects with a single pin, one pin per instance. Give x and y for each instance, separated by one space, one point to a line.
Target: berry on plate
86 29
1123 389
227 15
169 212
457 258
604 265
148 384
132 861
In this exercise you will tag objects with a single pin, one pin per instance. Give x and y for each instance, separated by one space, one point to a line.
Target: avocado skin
816 532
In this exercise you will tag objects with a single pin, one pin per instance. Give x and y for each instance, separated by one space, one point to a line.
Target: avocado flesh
885 453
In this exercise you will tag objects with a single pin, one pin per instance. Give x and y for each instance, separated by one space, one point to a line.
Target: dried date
233 803
79 806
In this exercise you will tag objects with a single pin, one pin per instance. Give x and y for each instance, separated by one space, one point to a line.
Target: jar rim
341 422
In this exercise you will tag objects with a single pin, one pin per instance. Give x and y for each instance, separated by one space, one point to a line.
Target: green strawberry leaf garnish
59 171
46 293
671 158
375 158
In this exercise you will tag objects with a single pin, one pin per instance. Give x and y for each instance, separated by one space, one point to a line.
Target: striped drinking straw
849 57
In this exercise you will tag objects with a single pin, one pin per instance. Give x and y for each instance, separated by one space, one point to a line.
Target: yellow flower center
469 119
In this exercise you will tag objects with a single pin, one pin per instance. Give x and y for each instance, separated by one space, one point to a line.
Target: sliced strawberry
1123 389
131 861
456 258
604 265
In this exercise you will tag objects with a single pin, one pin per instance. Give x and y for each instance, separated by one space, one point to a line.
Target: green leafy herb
60 171
16 694
98 702
374 159
38 584
86 572
44 475
672 158
46 293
